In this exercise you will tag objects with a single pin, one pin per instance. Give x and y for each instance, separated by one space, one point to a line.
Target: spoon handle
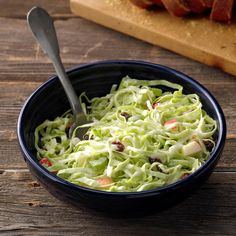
43 29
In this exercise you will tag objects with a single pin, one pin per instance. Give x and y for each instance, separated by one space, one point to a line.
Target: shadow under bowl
96 79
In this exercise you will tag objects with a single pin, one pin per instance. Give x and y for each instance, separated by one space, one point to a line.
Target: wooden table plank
19 9
22 58
18 46
32 210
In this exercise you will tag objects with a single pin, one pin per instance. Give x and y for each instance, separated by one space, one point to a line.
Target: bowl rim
213 157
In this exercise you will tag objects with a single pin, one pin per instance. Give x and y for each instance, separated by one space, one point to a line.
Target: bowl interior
49 101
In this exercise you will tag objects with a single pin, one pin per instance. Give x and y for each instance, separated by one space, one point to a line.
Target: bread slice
176 7
208 3
197 6
222 10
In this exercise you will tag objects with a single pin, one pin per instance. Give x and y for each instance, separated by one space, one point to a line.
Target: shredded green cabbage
139 138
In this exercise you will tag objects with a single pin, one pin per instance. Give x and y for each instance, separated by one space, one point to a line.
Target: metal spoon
43 29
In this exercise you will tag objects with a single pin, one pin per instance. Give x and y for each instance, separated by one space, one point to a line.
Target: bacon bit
54 172
119 146
126 115
104 181
185 175
155 105
170 122
45 162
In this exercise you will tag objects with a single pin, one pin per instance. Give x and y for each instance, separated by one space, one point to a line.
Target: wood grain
25 207
32 209
19 9
26 62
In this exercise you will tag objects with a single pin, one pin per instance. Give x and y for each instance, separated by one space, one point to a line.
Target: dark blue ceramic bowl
96 79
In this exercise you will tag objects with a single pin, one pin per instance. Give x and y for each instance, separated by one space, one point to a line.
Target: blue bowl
96 79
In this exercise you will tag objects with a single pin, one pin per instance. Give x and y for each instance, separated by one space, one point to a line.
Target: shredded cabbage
139 138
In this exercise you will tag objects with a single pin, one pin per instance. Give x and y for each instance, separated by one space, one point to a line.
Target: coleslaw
140 137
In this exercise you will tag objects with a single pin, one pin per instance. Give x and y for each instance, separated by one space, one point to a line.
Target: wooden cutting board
197 37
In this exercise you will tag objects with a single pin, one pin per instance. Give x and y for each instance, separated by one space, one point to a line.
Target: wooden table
25 207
